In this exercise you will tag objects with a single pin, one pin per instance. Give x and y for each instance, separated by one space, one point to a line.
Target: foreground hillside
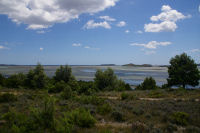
101 112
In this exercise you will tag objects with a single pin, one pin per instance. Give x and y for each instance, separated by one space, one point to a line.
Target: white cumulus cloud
151 45
165 21
121 24
91 25
41 14
127 31
107 18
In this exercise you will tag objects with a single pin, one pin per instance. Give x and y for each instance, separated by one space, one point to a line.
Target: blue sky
90 32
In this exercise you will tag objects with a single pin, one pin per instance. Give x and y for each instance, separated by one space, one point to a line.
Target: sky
93 32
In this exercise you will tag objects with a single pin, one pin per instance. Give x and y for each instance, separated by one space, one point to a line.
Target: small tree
148 84
36 78
183 71
64 73
105 80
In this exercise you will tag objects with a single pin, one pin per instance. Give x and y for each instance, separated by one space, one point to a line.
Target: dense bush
81 118
16 81
7 97
36 79
87 88
58 87
64 73
67 92
39 120
148 84
107 80
126 95
180 118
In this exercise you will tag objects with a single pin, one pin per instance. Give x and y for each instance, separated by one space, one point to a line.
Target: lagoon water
131 75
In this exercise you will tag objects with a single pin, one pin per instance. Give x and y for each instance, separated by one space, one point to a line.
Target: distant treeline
63 78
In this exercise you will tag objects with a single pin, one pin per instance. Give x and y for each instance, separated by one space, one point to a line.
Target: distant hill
143 65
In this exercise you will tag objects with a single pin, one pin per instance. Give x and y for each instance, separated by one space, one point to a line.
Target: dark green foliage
122 86
36 79
183 71
127 96
107 80
45 116
7 97
37 121
67 92
64 73
58 87
104 109
16 80
81 118
180 118
2 80
87 88
74 85
148 84
124 96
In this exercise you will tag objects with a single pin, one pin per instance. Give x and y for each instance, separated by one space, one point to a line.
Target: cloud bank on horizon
41 14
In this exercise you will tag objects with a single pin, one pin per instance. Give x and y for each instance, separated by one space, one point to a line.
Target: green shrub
126 95
122 86
15 81
180 118
104 109
36 79
90 100
81 118
64 73
148 84
58 87
87 88
67 93
7 97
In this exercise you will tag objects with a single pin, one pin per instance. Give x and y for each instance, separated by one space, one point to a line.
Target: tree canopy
183 71
64 73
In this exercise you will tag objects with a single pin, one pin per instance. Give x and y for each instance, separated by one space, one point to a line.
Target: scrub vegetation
34 103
